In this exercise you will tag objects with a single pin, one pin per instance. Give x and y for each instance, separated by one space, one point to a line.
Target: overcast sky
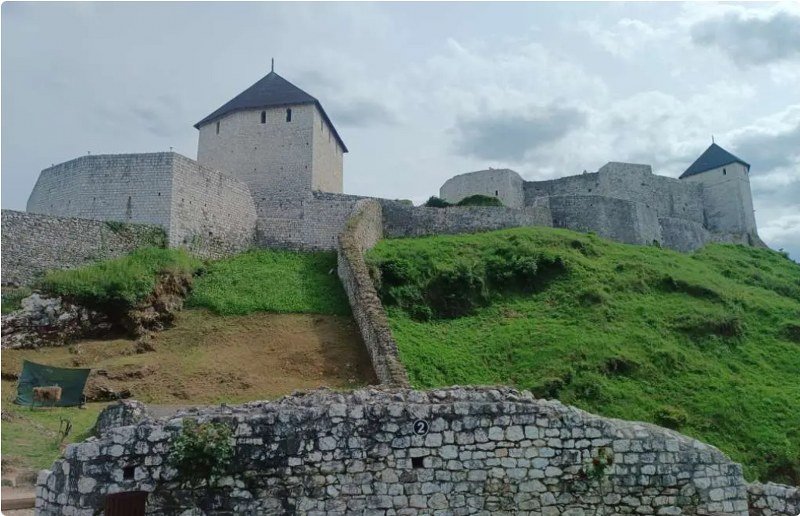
421 91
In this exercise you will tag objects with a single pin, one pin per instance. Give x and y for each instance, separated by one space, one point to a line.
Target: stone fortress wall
118 187
628 203
363 230
212 214
33 244
486 450
207 211
504 184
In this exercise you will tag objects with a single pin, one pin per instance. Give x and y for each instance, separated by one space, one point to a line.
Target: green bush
792 332
436 202
202 451
120 283
703 325
480 200
671 417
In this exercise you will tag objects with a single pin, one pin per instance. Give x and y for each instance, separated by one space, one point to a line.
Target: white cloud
626 38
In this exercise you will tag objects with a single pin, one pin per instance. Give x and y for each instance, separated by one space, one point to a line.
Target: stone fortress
711 201
269 173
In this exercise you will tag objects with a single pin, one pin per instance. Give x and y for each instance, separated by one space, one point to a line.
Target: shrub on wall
480 200
436 202
202 451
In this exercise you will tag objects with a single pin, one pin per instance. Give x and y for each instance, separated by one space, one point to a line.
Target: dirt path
13 497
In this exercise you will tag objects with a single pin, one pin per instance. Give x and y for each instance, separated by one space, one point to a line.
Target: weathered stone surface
46 321
159 309
364 229
122 413
773 499
293 455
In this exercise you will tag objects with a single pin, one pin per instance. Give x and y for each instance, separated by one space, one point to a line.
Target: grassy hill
705 343
258 325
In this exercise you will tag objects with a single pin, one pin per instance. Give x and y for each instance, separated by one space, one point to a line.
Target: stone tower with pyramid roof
278 140
727 201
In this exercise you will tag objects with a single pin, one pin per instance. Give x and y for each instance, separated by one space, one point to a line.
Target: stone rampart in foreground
486 450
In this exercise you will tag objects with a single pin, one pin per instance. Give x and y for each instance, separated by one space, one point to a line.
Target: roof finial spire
272 66
712 139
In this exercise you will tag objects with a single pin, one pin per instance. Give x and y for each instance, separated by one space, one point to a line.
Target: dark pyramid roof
714 157
271 91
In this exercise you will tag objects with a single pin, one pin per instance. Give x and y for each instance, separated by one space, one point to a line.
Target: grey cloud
152 120
161 117
750 41
512 136
313 80
765 152
362 113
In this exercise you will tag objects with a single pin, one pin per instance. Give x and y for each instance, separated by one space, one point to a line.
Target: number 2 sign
421 427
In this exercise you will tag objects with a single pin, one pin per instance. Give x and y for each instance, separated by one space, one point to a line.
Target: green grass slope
120 282
271 281
705 343
256 281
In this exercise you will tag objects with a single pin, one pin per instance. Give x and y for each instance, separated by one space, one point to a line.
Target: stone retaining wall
773 499
363 230
35 243
398 451
402 220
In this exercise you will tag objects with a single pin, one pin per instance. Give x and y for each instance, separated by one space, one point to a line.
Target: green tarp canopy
71 381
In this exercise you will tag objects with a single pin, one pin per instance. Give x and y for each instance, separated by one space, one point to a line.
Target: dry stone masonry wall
773 499
402 220
450 451
363 230
35 243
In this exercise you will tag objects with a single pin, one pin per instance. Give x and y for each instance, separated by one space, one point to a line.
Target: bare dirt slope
206 358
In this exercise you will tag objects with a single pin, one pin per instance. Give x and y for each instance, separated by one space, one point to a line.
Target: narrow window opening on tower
288 114
263 117
724 172
217 127
496 193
